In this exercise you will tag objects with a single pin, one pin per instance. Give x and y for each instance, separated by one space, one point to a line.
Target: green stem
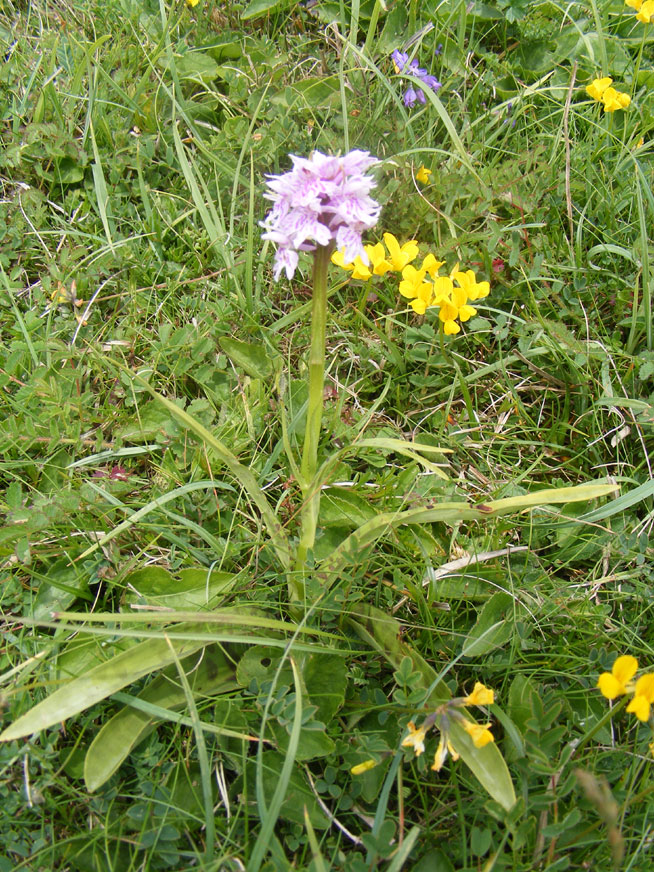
310 488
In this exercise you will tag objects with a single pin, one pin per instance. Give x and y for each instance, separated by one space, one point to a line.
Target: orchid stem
310 488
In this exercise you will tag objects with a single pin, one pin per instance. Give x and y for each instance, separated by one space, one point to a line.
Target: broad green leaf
312 744
352 548
494 626
270 811
84 651
58 590
100 682
198 66
194 589
120 735
261 7
325 678
249 356
341 507
259 663
315 92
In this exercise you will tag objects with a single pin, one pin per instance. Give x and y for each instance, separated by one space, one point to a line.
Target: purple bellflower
403 65
322 201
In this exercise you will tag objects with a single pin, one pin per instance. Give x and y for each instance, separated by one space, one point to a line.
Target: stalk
311 488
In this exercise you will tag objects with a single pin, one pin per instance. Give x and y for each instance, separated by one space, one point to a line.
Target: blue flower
411 95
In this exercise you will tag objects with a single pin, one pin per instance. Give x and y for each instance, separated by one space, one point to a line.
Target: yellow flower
474 290
479 733
597 87
613 99
480 695
635 4
430 265
338 258
360 768
646 12
643 697
415 739
444 748
424 298
360 270
412 278
641 142
378 260
400 256
614 683
192 3
422 175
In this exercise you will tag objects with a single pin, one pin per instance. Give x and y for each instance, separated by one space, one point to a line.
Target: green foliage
149 495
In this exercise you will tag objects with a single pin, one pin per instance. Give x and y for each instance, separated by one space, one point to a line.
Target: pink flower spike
323 201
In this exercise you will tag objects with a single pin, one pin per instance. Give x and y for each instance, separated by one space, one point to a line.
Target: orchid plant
322 206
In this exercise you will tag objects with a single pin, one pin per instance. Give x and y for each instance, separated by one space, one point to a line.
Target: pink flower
324 200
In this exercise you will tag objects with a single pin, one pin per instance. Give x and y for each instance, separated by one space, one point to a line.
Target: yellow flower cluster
601 90
380 262
644 10
479 733
425 287
619 681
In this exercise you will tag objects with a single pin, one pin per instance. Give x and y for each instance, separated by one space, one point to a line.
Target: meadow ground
239 593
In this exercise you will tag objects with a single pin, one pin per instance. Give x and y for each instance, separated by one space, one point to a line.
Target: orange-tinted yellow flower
479 733
614 683
614 100
400 256
422 175
643 697
598 86
646 12
415 739
480 695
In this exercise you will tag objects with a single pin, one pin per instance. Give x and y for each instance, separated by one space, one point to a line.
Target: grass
154 390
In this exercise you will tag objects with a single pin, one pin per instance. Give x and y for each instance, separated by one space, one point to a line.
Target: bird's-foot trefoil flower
400 255
614 100
617 682
645 12
598 86
641 704
422 175
416 738
445 747
479 733
602 91
480 695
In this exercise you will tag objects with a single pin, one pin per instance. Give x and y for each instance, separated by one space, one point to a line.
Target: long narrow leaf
350 549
